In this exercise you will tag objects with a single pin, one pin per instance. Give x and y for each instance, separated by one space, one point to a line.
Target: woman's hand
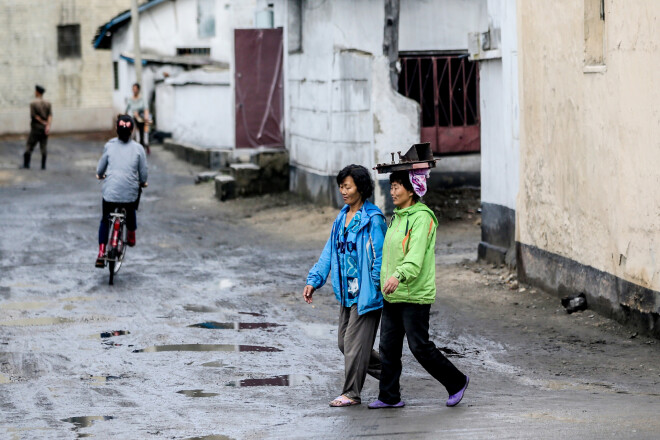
390 286
308 291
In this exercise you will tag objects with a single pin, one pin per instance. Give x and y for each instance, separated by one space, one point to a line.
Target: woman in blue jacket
352 256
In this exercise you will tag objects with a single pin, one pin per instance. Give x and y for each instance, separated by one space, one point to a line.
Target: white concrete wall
340 107
498 101
329 86
439 24
195 107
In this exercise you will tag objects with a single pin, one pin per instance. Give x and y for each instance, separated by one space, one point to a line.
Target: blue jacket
370 238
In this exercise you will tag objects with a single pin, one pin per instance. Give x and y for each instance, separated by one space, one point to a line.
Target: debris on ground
574 303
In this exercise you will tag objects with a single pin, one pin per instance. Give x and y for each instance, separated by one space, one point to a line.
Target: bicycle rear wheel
120 257
111 267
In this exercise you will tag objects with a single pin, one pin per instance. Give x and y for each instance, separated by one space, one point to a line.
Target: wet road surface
204 334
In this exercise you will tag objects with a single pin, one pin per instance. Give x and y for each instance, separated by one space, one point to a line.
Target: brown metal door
259 90
447 88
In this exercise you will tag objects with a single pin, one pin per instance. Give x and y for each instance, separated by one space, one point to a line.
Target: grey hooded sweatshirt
125 168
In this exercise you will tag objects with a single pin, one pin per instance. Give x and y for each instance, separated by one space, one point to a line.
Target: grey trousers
356 337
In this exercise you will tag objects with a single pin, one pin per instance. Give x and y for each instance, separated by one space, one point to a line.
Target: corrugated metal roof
103 37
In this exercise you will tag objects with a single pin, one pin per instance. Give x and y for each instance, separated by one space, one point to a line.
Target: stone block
247 177
225 187
212 158
274 166
205 176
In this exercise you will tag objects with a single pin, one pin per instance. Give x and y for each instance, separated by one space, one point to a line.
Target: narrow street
213 340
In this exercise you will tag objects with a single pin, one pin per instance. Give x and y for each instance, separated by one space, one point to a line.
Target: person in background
123 169
136 107
41 118
408 280
352 256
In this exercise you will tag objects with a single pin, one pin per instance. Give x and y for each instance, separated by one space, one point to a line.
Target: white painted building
500 126
187 77
340 106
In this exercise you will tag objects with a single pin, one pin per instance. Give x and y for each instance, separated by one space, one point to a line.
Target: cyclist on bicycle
124 168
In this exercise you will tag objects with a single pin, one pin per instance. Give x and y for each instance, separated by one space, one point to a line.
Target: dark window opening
68 41
201 51
115 70
447 89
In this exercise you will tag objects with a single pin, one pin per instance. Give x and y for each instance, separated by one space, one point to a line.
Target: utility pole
391 39
137 53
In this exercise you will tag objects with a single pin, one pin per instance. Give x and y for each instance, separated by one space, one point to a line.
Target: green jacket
409 255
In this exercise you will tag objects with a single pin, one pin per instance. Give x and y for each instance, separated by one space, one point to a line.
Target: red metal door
259 89
447 88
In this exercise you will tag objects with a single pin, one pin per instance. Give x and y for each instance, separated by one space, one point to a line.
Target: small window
68 41
199 51
594 32
115 70
206 18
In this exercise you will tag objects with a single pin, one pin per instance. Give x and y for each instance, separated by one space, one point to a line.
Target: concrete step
248 179
205 176
225 187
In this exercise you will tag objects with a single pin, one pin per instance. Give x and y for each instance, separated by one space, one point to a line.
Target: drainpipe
391 39
137 53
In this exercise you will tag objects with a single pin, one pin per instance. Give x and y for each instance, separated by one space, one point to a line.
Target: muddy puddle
206 347
110 334
25 322
449 352
26 305
214 364
287 380
210 437
103 380
85 422
235 325
197 393
199 309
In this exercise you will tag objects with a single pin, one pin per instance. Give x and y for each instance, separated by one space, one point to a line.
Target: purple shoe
378 404
455 399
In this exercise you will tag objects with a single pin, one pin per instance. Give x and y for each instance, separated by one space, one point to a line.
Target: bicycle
115 250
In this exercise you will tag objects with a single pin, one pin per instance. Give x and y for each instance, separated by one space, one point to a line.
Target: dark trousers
140 129
411 320
108 207
37 136
356 337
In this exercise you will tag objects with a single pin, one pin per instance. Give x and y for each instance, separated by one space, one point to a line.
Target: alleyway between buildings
205 334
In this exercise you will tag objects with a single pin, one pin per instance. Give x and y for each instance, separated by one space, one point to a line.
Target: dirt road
205 334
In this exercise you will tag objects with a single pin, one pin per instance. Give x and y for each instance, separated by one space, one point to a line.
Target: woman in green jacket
408 279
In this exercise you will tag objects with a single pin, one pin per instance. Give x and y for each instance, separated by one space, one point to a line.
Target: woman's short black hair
137 85
403 178
361 177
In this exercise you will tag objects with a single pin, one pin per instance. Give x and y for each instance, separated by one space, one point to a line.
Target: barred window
202 51
68 41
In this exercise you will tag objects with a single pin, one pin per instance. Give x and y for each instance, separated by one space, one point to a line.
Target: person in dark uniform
41 117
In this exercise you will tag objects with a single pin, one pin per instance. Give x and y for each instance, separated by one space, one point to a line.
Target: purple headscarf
418 180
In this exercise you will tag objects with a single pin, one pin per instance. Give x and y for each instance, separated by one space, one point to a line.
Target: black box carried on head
418 157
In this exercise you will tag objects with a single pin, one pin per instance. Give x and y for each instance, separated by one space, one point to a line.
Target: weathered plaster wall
590 142
499 107
498 101
79 89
